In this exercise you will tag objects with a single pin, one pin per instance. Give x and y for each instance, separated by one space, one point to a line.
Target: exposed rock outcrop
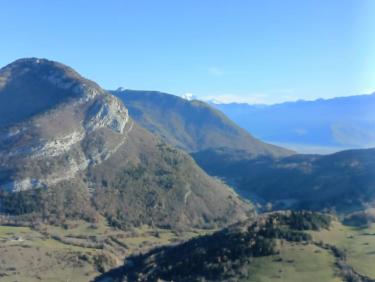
56 134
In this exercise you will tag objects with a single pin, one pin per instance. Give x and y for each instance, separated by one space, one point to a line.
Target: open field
76 253
357 243
301 262
296 262
27 255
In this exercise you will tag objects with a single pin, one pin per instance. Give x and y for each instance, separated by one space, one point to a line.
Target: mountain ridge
346 122
191 125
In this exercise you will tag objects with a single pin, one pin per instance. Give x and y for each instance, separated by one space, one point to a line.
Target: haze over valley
320 126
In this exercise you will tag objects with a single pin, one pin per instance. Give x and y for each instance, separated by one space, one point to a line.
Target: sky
265 51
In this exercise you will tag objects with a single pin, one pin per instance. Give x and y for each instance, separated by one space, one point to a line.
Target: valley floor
81 251
76 253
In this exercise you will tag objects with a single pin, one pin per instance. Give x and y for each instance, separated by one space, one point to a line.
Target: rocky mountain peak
56 73
31 86
50 113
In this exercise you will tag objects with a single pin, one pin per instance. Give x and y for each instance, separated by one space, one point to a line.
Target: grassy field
358 244
300 262
296 262
27 255
75 253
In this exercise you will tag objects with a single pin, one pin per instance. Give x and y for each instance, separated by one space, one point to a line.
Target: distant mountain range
70 150
310 126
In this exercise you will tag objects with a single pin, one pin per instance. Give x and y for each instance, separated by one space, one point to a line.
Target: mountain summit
30 86
49 111
68 149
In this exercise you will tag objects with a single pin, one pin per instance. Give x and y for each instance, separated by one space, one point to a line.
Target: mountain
290 246
191 125
68 150
344 181
338 123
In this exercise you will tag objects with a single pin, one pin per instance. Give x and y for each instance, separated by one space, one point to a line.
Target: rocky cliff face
53 138
70 149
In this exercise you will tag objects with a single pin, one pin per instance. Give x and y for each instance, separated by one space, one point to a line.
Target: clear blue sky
257 51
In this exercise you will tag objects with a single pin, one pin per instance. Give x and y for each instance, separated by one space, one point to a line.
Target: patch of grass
358 244
27 255
296 262
5 231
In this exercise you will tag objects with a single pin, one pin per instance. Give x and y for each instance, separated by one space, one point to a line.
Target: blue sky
262 51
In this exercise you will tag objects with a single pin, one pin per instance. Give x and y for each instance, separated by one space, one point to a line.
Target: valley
152 186
342 182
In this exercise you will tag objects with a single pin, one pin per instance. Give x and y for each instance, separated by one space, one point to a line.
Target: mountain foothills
192 125
69 150
282 246
343 122
343 182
